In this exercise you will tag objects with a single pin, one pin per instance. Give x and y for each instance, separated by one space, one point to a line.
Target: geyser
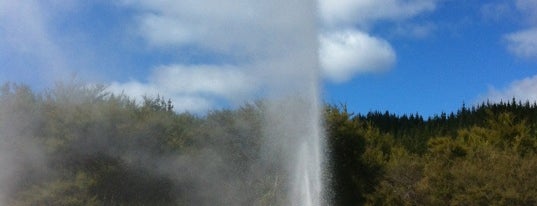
111 150
293 127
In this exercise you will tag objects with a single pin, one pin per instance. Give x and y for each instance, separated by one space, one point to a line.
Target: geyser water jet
295 128
293 116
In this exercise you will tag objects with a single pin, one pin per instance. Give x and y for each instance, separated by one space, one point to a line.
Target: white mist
295 131
274 43
293 119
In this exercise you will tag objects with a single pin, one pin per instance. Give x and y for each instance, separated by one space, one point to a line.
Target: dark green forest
79 145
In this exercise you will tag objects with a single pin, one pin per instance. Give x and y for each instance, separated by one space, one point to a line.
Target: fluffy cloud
241 28
525 89
161 30
346 49
26 43
523 43
237 28
192 88
181 102
275 43
226 81
242 32
344 54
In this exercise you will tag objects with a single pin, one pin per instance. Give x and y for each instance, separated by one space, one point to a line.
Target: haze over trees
79 145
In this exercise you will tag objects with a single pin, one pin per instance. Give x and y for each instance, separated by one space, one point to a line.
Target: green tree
357 154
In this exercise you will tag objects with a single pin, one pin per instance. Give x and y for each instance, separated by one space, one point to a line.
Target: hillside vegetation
78 145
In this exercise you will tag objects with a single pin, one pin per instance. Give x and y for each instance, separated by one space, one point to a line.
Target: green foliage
357 154
96 148
116 183
399 184
486 164
72 191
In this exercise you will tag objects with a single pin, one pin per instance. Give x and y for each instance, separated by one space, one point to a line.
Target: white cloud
181 102
161 30
24 37
344 54
346 49
180 23
192 88
235 28
225 81
254 31
245 29
364 12
523 43
525 89
276 43
134 89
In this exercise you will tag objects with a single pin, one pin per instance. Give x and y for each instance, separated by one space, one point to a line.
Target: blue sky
405 56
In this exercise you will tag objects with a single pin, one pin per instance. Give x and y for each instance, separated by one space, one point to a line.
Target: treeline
483 155
79 145
414 130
